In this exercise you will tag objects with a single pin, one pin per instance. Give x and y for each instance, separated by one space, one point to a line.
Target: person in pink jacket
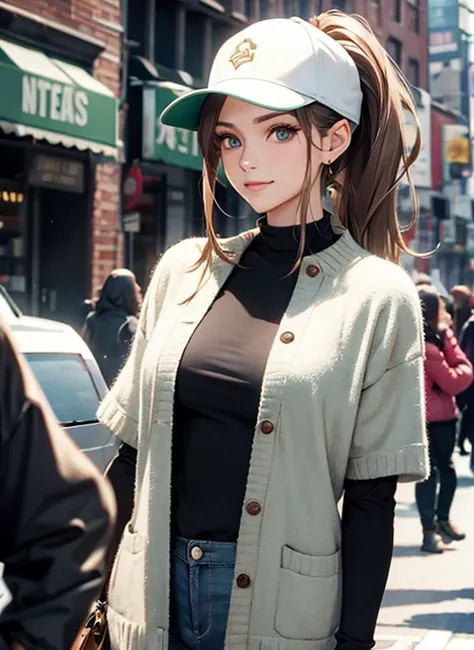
447 373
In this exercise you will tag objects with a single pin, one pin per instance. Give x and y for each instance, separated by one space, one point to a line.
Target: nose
246 164
249 156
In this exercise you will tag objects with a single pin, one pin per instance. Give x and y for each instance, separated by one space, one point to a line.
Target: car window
68 386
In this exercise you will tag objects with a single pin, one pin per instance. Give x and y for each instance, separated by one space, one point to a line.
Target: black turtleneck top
220 378
216 406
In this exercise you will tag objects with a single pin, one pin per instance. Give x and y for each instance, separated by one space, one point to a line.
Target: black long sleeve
56 513
121 475
367 546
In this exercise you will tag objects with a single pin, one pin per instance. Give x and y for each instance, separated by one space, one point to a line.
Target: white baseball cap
280 64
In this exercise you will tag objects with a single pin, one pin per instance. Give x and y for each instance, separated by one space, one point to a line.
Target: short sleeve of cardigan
119 411
389 436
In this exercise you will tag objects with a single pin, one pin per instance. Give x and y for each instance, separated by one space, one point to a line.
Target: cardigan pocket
309 595
126 590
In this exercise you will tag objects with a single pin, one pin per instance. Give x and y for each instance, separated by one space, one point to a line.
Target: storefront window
12 241
165 37
194 46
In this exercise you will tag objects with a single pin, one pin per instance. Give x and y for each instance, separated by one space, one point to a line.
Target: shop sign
444 32
131 222
42 93
420 171
443 14
57 173
54 101
166 143
133 187
456 152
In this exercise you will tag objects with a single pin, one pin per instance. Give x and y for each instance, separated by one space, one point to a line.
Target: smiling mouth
255 186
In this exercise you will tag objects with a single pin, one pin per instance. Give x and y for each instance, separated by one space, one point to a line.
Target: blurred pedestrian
466 399
56 515
422 279
462 297
448 372
110 327
448 306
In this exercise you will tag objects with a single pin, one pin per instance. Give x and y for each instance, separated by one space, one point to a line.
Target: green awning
49 99
166 143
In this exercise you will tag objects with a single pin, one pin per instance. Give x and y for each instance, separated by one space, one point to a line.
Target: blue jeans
202 574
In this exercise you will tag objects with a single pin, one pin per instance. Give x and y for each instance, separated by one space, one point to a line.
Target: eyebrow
257 120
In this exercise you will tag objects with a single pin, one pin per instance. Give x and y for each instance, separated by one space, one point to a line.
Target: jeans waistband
197 551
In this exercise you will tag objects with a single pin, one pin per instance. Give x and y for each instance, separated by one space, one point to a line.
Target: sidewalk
429 601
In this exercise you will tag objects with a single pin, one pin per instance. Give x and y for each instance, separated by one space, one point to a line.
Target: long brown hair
363 181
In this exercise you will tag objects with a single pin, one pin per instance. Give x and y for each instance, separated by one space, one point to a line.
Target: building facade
450 35
401 26
172 45
60 232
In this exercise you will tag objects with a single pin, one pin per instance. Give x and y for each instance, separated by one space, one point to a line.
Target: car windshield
68 386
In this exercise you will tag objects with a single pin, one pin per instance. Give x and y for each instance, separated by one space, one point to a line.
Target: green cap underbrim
185 111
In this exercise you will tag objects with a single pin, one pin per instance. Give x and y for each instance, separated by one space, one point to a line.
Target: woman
448 372
109 329
283 366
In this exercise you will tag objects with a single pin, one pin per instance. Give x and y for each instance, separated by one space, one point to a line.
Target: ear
338 139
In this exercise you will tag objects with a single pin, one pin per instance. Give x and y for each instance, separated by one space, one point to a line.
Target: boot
449 532
463 451
432 542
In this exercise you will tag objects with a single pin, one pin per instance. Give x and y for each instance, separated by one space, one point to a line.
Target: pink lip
255 186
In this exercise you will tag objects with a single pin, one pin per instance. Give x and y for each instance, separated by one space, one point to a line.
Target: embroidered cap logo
244 53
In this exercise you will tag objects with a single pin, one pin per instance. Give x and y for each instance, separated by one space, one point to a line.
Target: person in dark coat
109 328
56 517
466 399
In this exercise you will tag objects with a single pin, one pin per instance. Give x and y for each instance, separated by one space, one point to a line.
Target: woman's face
264 154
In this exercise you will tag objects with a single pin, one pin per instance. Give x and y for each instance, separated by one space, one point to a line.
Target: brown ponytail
363 181
365 197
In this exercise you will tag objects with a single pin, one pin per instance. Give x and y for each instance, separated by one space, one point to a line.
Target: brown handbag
94 635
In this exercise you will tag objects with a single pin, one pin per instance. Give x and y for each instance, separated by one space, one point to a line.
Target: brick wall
380 16
414 44
100 19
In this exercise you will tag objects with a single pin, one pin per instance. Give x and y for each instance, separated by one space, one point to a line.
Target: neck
288 214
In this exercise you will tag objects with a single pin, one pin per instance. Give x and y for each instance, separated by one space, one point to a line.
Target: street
429 601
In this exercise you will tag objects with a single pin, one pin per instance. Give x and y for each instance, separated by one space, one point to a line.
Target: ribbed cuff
409 464
112 416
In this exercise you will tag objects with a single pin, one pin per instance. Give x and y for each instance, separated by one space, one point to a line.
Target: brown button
266 426
243 581
312 270
287 337
254 508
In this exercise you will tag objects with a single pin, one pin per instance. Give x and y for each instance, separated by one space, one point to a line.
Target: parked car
9 311
70 379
